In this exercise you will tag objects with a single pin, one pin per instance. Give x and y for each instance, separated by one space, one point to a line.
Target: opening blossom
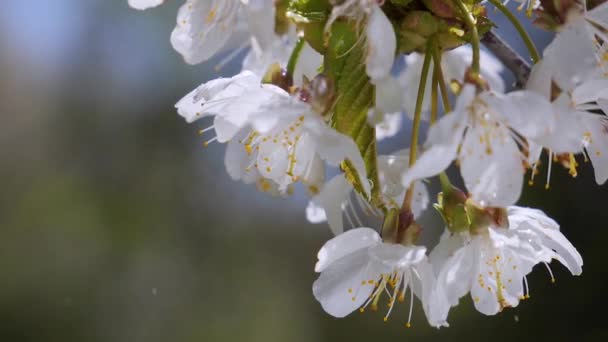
357 269
491 263
317 89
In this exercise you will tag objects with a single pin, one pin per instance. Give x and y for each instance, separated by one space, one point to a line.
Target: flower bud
451 205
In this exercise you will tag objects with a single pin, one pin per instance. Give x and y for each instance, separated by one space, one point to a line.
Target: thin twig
507 55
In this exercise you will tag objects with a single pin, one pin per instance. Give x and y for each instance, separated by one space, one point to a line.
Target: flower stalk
407 200
520 29
295 55
470 22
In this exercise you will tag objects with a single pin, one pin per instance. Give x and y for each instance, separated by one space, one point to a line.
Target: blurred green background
117 225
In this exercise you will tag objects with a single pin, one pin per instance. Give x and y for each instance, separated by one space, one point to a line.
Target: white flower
579 127
484 132
271 134
204 26
454 64
144 4
334 200
492 265
381 41
575 55
357 268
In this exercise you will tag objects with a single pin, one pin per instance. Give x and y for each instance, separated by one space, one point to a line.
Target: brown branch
507 55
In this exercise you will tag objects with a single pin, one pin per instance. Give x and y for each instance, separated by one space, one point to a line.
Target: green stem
407 200
520 29
440 79
295 54
470 22
434 95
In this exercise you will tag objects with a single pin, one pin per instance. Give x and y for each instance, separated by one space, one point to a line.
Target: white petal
314 175
421 198
212 97
570 257
492 170
552 238
237 161
339 288
455 63
396 255
260 17
315 213
572 55
224 130
203 28
456 275
441 147
599 15
389 126
144 4
597 144
388 95
590 91
381 45
448 245
540 79
484 298
435 304
344 244
334 147
530 114
332 199
308 64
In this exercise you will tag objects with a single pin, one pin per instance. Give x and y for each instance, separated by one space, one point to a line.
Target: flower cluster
319 88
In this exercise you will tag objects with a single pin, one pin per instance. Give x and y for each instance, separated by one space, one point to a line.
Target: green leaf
345 63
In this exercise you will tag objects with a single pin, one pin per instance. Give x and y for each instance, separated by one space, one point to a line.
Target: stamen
354 211
231 56
206 143
409 317
550 272
534 171
549 170
572 165
526 289
202 131
347 214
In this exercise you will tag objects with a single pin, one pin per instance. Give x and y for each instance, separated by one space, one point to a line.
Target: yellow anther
211 15
354 298
572 165
350 290
408 325
248 148
385 319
